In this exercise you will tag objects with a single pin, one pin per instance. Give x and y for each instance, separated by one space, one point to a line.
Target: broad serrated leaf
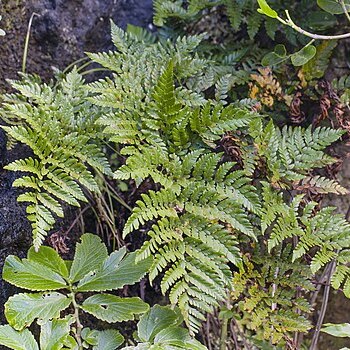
111 308
22 309
31 275
157 319
16 340
177 337
50 258
89 256
110 339
117 271
54 333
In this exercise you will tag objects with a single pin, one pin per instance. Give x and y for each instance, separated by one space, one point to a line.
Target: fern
57 123
291 153
265 296
321 235
194 218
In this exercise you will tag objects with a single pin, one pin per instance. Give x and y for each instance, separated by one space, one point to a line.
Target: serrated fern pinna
200 203
58 124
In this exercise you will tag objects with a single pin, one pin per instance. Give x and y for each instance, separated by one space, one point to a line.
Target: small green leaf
31 275
70 343
22 309
178 337
303 56
157 319
333 6
50 258
277 56
117 271
170 335
320 20
89 256
341 330
110 339
54 333
15 340
111 308
266 9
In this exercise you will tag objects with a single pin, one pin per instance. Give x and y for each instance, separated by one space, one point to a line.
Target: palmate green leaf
22 309
50 258
111 308
333 6
157 319
110 339
89 256
337 330
31 275
16 340
54 333
117 271
303 56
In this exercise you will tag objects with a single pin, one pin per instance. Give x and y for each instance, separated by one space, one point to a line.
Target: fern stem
223 337
69 67
113 193
93 70
26 43
224 328
323 307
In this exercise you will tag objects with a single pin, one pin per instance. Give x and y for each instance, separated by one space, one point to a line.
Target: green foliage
58 124
200 200
333 6
265 296
160 328
92 270
224 211
337 330
291 153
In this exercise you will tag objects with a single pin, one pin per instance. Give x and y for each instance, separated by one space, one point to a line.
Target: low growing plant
62 290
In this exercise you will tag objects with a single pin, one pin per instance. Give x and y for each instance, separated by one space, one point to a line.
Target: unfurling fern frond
58 126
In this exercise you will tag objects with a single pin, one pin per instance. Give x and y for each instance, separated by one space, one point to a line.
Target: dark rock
62 30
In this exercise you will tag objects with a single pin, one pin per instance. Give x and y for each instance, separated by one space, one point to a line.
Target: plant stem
223 336
342 3
77 322
289 22
323 307
26 43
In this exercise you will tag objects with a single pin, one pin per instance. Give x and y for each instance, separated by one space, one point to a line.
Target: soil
62 30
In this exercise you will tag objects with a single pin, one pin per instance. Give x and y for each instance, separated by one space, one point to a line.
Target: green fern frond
61 139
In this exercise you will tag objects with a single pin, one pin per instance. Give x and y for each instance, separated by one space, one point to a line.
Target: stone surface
62 30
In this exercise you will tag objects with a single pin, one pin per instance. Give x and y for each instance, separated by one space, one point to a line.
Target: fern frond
61 139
